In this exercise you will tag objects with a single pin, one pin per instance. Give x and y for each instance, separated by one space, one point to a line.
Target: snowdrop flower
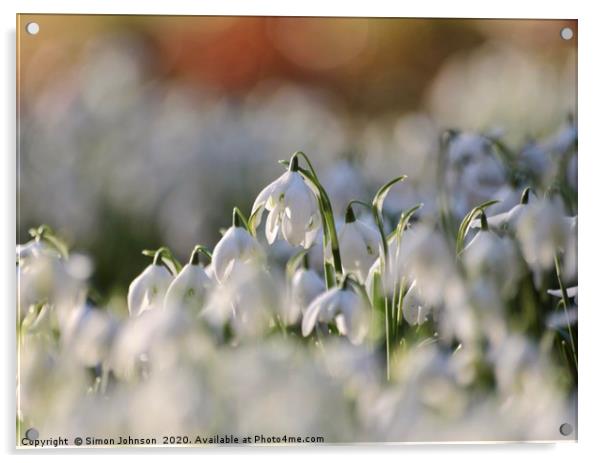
341 305
508 219
415 311
570 292
542 230
466 147
90 336
34 248
563 140
427 258
293 208
237 245
306 285
46 279
359 244
561 318
148 289
489 255
247 299
475 174
189 288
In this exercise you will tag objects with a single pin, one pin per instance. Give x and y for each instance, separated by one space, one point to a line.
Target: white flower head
359 245
508 220
189 288
306 285
488 255
293 209
148 289
571 292
415 312
237 245
341 305
542 230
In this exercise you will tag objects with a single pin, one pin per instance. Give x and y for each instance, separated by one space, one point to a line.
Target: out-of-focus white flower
563 140
90 335
488 255
396 263
344 181
306 285
359 245
248 299
571 292
188 289
237 245
509 219
428 259
148 289
293 209
46 279
542 230
343 306
415 311
33 249
474 174
466 147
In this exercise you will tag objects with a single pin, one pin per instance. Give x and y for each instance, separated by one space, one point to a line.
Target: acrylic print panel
295 230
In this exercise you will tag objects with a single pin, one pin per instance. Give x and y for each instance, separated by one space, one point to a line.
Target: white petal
272 224
310 317
188 287
226 250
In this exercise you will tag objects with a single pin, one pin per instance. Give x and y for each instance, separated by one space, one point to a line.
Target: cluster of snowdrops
450 321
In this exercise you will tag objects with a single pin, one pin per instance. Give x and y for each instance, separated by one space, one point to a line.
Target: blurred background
138 131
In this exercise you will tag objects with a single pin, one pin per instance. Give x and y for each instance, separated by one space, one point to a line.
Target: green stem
325 210
383 235
565 303
199 249
388 338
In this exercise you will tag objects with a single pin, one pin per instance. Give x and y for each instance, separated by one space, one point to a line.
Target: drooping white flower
359 245
306 285
571 292
247 299
397 261
542 230
34 248
509 219
465 147
188 289
341 305
148 289
415 311
489 256
237 245
474 174
293 209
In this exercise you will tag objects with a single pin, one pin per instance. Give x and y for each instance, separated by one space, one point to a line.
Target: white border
590 169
